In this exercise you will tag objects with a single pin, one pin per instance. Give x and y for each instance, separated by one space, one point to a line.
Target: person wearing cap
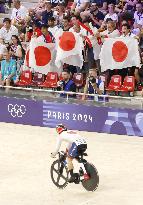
48 13
46 36
8 30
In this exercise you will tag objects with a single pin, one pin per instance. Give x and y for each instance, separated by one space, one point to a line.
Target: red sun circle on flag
42 55
67 41
119 51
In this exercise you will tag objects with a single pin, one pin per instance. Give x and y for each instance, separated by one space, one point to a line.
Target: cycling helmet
60 128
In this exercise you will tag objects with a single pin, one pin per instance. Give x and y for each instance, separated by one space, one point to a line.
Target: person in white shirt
52 27
8 30
138 16
76 27
111 31
111 13
80 5
76 146
126 31
19 12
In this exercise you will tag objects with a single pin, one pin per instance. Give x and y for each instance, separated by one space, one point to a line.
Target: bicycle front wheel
59 174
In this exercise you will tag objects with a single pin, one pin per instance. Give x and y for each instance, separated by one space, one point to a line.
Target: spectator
66 84
52 27
46 36
138 15
130 5
111 31
48 13
17 52
19 13
32 29
102 4
94 85
79 6
2 6
8 70
76 27
3 48
40 7
8 30
126 31
111 13
66 23
59 13
95 15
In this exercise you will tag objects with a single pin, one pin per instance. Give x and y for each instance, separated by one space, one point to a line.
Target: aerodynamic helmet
60 128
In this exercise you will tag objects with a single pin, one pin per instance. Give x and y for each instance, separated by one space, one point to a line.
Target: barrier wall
80 117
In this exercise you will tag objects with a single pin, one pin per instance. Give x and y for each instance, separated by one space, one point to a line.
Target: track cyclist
76 146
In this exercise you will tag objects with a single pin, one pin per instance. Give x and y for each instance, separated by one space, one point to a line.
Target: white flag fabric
42 56
69 50
96 47
118 53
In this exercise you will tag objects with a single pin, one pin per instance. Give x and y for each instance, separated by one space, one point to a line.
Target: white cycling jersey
70 137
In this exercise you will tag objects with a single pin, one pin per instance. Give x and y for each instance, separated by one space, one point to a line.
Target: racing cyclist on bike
76 146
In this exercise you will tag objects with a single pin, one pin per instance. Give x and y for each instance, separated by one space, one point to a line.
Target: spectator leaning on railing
66 84
8 70
94 85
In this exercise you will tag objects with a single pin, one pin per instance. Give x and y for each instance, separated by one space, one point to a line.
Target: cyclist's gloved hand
53 154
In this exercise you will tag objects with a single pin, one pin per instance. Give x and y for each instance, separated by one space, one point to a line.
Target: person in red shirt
46 36
34 29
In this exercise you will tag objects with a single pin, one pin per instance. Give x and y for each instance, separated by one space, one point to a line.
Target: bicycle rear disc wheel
59 174
92 183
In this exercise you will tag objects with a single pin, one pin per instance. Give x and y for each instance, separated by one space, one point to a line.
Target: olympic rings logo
16 110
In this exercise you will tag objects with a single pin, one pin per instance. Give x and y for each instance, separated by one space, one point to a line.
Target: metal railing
108 100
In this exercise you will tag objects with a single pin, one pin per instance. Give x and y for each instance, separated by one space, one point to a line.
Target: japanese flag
118 53
69 50
41 56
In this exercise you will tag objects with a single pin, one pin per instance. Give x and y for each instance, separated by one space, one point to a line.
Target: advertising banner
77 117
21 111
94 119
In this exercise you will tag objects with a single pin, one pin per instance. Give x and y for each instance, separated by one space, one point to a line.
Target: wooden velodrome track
25 169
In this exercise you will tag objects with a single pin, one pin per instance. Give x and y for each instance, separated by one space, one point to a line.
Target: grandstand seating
51 80
115 83
25 78
38 79
128 84
78 80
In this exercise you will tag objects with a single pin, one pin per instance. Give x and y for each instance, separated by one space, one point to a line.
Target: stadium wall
78 117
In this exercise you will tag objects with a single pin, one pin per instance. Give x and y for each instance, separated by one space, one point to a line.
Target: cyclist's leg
72 153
